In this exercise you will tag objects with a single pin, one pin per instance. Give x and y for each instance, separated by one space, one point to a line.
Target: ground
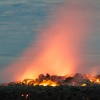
49 93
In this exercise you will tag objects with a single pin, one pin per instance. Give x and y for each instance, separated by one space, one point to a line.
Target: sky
23 21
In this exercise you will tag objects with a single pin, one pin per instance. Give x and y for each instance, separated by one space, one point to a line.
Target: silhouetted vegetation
49 93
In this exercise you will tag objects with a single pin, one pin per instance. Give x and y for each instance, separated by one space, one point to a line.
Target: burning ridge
67 80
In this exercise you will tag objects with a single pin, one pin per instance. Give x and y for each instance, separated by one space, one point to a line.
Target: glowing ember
54 80
42 81
22 95
84 84
48 83
25 95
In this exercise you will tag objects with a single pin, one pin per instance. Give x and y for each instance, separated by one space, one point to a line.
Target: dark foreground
49 93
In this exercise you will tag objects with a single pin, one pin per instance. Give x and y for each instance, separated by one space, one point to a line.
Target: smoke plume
58 46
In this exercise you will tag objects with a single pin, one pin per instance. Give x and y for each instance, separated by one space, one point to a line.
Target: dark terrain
49 93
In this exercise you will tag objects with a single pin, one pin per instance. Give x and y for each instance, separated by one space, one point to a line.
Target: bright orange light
97 81
43 83
57 48
84 84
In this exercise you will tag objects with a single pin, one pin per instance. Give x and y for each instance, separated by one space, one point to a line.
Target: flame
95 80
48 83
54 80
59 44
43 83
84 84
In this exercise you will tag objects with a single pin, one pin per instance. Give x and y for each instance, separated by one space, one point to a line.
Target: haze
48 36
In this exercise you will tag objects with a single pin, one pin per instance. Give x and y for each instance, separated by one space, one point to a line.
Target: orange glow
60 43
84 84
48 83
94 79
57 48
98 81
43 83
85 80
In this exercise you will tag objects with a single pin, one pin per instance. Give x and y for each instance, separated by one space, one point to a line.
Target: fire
95 80
72 80
57 48
84 84
43 83
98 81
42 80
48 83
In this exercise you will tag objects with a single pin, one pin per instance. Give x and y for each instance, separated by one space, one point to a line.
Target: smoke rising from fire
58 46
